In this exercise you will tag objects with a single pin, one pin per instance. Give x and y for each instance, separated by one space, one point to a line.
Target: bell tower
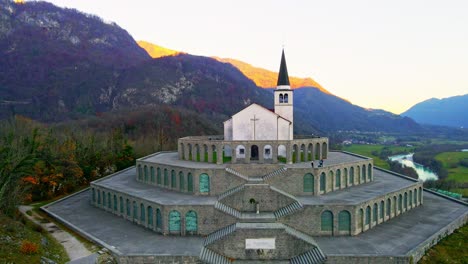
284 94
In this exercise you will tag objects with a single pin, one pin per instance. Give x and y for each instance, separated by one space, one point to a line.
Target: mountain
331 113
156 51
56 62
267 79
261 77
60 64
451 111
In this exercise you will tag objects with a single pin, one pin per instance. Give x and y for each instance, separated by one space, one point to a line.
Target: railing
227 209
211 257
231 191
287 210
274 173
313 256
217 235
236 173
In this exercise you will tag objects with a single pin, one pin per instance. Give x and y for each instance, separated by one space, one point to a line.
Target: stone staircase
236 173
274 173
288 209
313 256
218 234
228 210
231 191
211 257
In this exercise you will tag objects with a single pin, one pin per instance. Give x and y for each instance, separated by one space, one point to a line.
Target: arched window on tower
286 98
281 98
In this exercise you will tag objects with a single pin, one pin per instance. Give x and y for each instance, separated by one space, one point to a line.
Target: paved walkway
74 248
117 233
395 237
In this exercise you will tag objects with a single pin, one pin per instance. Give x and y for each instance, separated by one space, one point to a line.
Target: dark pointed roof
283 78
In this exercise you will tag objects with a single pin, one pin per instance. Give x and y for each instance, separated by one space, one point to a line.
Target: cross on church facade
254 120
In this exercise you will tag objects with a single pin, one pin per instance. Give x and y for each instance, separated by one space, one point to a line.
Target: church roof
283 78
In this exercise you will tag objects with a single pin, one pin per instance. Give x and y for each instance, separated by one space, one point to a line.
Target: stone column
210 154
288 154
261 153
233 154
186 152
180 150
219 154
274 153
247 153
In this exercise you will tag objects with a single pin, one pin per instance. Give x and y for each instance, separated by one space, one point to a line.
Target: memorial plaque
260 243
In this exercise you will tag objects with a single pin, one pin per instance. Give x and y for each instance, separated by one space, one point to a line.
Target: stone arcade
252 195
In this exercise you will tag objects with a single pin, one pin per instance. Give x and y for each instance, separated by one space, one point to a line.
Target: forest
43 161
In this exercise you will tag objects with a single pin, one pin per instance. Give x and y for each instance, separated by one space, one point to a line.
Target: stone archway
254 152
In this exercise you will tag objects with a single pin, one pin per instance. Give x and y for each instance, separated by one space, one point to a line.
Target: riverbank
424 173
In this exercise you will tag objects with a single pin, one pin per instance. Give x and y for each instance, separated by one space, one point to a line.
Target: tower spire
283 78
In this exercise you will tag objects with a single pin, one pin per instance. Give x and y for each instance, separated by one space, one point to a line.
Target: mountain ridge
61 72
449 111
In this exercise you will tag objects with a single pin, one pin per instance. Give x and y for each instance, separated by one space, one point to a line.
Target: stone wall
158 259
268 200
219 180
309 219
286 246
292 180
211 149
208 218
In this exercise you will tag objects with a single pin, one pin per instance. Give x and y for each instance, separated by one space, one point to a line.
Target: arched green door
174 221
204 183
344 221
309 183
158 219
191 221
326 221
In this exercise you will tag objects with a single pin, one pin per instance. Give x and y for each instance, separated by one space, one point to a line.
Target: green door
204 183
174 221
344 221
309 183
191 222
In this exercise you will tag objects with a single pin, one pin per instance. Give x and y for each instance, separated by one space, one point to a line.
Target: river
407 160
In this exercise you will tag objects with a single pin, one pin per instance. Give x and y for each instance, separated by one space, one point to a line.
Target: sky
377 54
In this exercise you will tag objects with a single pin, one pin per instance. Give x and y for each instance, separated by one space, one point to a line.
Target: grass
450 161
14 232
366 150
451 249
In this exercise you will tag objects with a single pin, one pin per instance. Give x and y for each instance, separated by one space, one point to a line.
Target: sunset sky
377 54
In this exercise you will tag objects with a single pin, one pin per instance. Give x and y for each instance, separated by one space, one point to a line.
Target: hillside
60 64
267 79
331 113
449 111
156 51
261 77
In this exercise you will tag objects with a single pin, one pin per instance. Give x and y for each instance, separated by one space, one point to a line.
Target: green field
456 172
450 161
366 150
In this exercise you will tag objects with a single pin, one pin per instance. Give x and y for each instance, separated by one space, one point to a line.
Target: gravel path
74 248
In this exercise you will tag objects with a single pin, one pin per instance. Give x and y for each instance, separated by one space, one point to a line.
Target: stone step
289 209
228 210
238 174
218 234
210 257
313 256
274 173
257 218
230 192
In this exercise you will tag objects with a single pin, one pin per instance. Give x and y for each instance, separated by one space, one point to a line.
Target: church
257 194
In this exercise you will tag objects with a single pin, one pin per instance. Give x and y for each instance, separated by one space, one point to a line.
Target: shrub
28 247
